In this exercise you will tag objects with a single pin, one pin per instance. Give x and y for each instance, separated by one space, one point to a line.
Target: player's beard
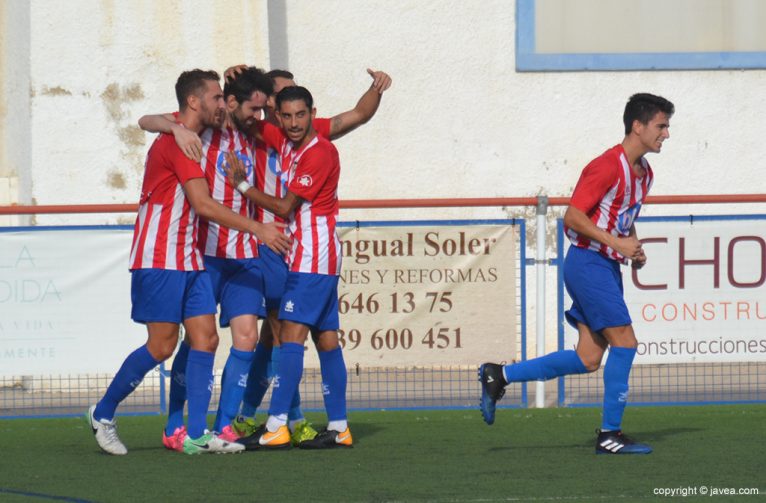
238 123
212 117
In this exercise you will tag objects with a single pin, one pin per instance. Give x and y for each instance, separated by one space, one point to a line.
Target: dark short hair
295 93
284 74
192 82
643 107
244 84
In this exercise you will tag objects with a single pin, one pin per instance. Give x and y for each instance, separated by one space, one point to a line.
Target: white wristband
244 186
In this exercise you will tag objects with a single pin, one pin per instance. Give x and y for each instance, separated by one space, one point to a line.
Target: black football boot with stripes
614 442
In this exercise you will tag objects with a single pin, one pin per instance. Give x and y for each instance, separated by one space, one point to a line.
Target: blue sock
177 398
233 383
199 388
545 367
616 374
295 413
257 380
130 375
274 362
287 379
334 378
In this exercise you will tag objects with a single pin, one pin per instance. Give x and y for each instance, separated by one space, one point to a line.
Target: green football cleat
210 443
303 431
244 426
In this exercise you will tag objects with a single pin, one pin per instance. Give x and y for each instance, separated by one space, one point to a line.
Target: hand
629 247
235 170
273 236
380 80
188 141
639 260
232 72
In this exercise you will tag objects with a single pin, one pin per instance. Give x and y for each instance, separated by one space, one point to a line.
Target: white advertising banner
65 301
408 296
702 295
412 295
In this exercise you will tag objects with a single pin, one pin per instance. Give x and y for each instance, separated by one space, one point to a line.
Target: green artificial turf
422 455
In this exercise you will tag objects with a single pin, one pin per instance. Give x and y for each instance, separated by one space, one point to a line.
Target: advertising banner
702 295
417 295
65 301
409 295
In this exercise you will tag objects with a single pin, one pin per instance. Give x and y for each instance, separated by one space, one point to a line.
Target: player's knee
161 350
212 342
591 361
245 340
592 365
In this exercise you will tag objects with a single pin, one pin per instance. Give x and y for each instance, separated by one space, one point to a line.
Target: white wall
457 122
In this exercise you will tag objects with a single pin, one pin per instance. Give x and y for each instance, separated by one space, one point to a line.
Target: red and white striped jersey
165 234
215 240
312 174
611 194
269 178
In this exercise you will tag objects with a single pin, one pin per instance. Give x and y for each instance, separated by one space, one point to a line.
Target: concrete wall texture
459 121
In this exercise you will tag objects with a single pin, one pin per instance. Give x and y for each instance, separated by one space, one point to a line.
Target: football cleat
303 431
175 442
328 439
228 434
244 426
492 389
210 443
106 434
614 442
265 439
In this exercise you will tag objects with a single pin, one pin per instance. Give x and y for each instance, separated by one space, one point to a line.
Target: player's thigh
274 270
157 295
293 332
242 296
269 336
594 283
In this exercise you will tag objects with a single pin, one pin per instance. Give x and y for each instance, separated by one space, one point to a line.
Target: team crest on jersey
625 219
246 161
305 181
275 167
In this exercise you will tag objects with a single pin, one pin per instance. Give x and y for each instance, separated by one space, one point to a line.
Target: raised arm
198 194
188 141
365 108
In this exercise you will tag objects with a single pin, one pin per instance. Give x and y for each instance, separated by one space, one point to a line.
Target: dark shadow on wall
278 50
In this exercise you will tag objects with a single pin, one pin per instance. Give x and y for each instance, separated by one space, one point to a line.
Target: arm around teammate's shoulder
188 141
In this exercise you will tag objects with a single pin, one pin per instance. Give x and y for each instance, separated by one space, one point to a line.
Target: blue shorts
594 283
311 299
274 270
161 295
237 287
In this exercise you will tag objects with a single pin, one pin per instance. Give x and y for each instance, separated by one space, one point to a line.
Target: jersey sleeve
595 181
323 126
183 167
311 173
271 134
